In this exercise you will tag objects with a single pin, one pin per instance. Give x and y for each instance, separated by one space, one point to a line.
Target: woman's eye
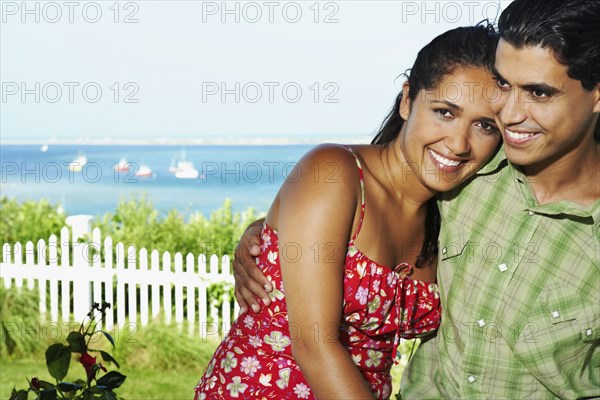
444 113
488 128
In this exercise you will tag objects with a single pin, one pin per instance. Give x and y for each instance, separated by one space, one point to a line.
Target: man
519 261
519 270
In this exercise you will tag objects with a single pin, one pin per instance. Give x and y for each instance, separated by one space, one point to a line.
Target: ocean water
248 175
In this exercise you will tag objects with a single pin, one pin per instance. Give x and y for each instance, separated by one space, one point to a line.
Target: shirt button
502 267
444 250
471 379
555 314
481 323
588 332
530 213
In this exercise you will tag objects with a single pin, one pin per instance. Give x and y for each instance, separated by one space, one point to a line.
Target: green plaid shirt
520 291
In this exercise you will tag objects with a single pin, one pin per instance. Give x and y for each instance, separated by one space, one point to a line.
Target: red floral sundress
381 305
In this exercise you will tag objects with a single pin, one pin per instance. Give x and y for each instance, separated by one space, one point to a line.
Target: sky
141 70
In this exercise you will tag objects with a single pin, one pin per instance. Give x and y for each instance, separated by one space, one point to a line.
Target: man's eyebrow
530 86
449 104
496 74
541 87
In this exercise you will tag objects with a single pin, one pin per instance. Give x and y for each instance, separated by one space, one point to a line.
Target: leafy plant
29 220
58 359
136 222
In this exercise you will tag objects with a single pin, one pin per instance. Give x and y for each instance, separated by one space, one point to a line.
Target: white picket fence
89 277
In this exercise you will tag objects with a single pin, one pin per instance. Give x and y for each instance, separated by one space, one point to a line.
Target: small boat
44 148
186 170
122 165
77 164
144 171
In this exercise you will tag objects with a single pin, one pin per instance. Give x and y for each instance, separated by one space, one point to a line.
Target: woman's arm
315 220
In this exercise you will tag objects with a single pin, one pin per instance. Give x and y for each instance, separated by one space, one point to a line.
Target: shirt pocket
452 246
557 336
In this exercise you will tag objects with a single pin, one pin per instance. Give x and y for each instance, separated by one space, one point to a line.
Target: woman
332 235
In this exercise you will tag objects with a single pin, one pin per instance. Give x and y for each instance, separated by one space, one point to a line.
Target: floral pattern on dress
380 306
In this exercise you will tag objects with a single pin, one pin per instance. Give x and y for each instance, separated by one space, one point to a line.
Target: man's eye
502 84
539 93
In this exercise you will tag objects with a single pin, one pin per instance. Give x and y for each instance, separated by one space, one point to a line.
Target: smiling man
519 269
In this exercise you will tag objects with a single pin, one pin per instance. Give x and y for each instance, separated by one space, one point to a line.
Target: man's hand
249 280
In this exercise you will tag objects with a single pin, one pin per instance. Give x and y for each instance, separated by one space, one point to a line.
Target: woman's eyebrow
449 104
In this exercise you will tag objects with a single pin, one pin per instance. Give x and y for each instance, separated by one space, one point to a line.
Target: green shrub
136 222
29 220
19 318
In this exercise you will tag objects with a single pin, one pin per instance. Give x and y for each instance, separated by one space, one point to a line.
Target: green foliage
29 220
136 222
58 360
19 322
162 347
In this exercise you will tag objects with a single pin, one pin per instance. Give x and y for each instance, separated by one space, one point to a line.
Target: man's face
544 115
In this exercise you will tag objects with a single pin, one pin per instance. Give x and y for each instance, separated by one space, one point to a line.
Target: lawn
141 383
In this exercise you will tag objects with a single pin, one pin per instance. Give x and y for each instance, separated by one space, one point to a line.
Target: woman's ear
405 103
597 104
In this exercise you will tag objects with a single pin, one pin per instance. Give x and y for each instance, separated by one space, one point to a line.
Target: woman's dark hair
473 46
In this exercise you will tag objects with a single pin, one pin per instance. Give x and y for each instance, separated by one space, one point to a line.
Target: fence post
65 284
202 308
143 286
132 284
41 265
6 256
80 226
190 291
53 265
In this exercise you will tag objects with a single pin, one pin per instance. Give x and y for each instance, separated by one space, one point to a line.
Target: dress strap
362 193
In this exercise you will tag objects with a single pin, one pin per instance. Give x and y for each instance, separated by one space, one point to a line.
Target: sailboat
122 165
184 169
144 171
77 164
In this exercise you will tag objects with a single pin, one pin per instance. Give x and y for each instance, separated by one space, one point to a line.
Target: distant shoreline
193 142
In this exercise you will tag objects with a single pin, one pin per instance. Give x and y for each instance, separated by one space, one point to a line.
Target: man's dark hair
569 28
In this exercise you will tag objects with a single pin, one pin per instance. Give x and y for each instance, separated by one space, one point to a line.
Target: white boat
186 170
122 165
77 164
44 148
144 171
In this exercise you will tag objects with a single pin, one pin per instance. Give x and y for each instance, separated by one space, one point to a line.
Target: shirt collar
564 207
496 162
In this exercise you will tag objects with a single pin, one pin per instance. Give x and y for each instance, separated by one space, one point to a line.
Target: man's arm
250 282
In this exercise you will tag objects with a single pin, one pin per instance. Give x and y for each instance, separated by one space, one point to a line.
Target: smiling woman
349 280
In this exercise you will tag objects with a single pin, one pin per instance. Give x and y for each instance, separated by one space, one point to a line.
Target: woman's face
450 132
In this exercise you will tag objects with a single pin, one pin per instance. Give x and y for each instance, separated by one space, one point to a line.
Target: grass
160 362
141 383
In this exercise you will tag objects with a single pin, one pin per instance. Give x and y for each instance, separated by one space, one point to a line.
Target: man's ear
405 103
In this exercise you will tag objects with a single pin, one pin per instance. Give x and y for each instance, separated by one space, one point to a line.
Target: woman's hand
250 282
